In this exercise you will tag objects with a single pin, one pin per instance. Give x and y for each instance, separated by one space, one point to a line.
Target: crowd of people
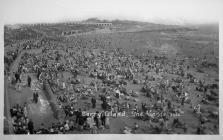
20 122
110 70
82 122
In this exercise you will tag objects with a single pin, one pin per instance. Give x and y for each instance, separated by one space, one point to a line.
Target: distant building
74 23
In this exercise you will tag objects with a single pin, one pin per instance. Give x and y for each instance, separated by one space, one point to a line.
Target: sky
158 11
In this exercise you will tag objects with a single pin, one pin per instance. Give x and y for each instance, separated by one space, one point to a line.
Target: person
66 111
183 100
176 122
100 126
185 128
94 129
103 118
197 109
169 104
35 96
126 130
18 87
64 85
96 120
144 107
200 129
17 77
38 74
12 79
89 122
30 126
93 101
66 126
81 123
51 131
136 127
107 122
136 108
25 110
29 81
116 110
71 124
78 115
43 129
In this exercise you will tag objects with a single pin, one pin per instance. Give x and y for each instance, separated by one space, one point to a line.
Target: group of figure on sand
16 80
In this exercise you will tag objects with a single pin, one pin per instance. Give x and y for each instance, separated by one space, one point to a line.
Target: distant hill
95 20
134 25
207 28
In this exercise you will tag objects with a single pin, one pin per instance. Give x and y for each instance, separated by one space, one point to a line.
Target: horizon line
111 20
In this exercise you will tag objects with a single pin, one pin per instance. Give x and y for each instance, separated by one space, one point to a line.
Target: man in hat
29 81
35 96
30 126
17 77
96 119
93 101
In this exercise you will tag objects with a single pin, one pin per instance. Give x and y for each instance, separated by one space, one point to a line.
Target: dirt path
40 112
